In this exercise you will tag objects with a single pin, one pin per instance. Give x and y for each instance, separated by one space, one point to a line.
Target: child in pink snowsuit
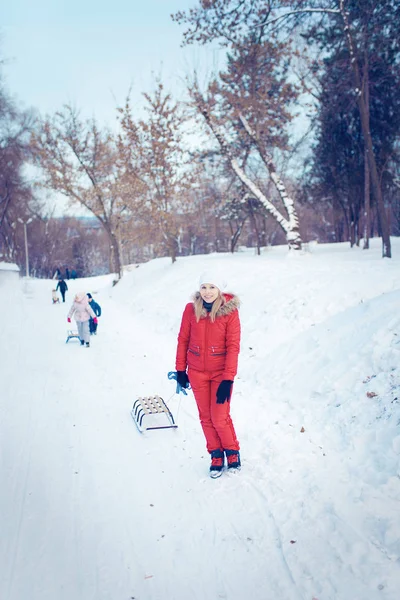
82 311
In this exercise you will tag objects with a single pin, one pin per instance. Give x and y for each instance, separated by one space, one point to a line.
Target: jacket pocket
217 351
194 350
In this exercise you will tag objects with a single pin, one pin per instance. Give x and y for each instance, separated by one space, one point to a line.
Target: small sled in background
71 334
151 412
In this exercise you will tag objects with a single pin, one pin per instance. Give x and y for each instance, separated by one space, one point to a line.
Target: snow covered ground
91 509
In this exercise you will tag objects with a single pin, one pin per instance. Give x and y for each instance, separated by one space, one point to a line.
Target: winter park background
141 143
93 510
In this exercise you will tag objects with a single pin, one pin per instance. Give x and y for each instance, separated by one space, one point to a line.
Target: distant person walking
97 310
62 286
208 347
82 312
67 272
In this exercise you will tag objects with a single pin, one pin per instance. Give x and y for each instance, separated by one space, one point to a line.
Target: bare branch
292 13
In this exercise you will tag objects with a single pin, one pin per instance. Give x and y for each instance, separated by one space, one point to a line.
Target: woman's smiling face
209 292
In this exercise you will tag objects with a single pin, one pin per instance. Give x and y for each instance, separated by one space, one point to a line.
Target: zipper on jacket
206 340
214 353
193 352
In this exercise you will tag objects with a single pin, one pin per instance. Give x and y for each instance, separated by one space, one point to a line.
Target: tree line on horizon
156 193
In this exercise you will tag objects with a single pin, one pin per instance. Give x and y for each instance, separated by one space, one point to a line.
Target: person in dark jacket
97 311
208 347
62 286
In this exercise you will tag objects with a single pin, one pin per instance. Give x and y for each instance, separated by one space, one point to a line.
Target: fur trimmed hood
231 304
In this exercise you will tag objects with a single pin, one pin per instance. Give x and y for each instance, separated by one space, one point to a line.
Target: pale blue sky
89 52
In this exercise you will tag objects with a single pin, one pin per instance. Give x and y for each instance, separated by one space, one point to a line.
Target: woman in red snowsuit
208 346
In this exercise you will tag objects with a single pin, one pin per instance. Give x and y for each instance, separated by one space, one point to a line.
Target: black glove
224 391
182 379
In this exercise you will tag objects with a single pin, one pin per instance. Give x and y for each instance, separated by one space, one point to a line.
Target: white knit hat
214 278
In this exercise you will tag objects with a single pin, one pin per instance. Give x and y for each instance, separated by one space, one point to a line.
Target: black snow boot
217 463
233 459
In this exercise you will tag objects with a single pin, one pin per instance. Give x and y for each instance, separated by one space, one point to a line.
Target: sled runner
71 334
145 410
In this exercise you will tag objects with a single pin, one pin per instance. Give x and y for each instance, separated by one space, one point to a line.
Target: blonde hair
199 308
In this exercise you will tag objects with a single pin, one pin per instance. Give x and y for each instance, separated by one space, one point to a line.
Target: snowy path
104 510
92 510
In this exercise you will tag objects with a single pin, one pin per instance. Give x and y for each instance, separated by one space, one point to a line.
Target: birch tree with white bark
247 108
231 20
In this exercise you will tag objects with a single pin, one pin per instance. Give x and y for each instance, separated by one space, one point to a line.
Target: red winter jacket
207 345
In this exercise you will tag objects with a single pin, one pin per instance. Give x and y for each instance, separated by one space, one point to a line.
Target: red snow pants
215 418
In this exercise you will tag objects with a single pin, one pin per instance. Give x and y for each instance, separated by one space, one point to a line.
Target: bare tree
81 162
15 193
154 157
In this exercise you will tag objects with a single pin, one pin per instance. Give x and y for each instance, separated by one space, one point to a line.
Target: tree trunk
115 258
376 185
367 182
173 246
287 201
254 223
367 202
235 235
6 200
352 232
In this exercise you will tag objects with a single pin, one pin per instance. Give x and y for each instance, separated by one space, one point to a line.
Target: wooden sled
71 335
150 412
